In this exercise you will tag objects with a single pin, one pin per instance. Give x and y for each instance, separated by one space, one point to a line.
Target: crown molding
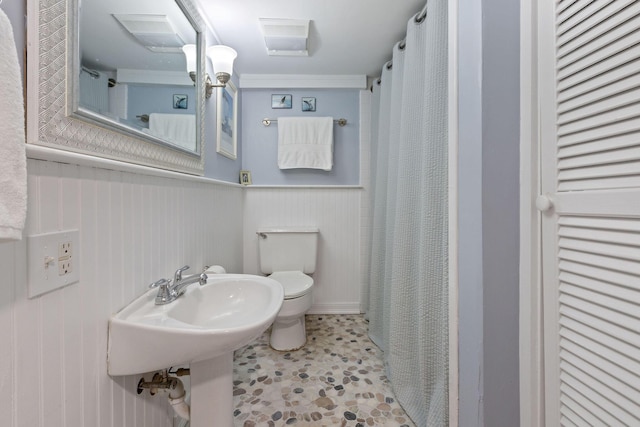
302 81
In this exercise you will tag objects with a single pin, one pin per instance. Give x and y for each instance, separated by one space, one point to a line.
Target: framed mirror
111 80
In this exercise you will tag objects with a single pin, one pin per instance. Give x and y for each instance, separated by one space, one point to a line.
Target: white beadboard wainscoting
336 211
134 229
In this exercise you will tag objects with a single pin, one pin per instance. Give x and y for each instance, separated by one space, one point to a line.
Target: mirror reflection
132 70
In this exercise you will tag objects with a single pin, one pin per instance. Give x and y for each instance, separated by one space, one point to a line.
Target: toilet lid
294 283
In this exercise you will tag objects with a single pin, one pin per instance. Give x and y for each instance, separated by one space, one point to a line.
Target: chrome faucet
180 284
170 290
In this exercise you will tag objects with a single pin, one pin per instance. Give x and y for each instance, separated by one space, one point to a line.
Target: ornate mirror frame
52 53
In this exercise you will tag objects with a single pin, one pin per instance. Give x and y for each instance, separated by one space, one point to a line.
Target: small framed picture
280 101
308 103
245 177
180 101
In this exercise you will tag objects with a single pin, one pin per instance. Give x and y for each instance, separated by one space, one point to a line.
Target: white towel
179 129
13 160
305 142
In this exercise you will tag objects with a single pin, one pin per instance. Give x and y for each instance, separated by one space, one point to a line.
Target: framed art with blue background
308 103
180 101
227 135
280 101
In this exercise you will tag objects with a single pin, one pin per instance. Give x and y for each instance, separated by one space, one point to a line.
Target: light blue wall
260 143
145 99
500 207
488 212
15 11
217 166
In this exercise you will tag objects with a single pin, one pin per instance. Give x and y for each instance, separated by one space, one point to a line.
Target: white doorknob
544 203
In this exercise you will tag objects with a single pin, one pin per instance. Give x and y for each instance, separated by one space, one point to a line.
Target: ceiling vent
154 32
285 37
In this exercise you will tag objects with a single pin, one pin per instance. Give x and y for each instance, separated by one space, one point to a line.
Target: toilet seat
294 283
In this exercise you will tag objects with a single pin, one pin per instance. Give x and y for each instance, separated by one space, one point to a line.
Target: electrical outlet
52 261
64 267
64 258
64 250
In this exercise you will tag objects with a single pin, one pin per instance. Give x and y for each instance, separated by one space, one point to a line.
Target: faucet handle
203 279
161 282
177 276
164 295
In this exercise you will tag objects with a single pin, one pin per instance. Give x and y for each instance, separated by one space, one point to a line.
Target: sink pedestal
212 392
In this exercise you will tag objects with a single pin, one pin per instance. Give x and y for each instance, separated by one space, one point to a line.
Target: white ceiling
105 45
345 36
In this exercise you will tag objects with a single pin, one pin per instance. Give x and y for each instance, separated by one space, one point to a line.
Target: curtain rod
267 122
422 15
419 18
93 73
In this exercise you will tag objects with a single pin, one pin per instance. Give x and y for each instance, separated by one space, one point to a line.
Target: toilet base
288 335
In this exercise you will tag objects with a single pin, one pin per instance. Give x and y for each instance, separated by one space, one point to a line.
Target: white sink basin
230 311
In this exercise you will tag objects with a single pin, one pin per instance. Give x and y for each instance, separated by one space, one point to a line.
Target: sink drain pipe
176 399
163 382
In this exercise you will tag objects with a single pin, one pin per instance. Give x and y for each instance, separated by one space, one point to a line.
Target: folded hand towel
13 161
305 142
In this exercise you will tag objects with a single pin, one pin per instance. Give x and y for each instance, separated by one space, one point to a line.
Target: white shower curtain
94 90
379 168
409 264
384 198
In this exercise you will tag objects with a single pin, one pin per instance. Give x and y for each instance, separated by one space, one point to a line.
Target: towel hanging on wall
13 161
179 129
305 142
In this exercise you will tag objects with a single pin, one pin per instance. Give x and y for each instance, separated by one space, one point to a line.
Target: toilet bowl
288 331
288 255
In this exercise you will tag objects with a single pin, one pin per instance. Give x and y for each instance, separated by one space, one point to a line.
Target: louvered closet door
590 132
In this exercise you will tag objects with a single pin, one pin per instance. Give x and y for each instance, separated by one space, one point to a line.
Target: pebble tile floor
336 379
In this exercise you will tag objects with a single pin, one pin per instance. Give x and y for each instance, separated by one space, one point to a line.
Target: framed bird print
180 101
280 101
308 103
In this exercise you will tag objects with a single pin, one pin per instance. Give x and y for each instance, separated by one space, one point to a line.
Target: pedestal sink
202 328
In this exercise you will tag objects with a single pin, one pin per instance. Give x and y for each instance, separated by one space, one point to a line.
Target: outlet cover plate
44 258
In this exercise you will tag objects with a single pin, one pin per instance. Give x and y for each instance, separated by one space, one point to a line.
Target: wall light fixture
221 57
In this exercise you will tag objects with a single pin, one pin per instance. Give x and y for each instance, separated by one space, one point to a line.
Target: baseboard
335 308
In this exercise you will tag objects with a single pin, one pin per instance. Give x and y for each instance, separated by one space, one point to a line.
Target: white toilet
288 255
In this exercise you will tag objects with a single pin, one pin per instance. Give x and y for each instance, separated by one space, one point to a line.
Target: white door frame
531 332
452 48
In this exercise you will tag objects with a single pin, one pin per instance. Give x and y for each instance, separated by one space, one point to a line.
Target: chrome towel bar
267 122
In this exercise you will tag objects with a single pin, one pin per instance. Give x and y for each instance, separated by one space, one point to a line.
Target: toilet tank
288 249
